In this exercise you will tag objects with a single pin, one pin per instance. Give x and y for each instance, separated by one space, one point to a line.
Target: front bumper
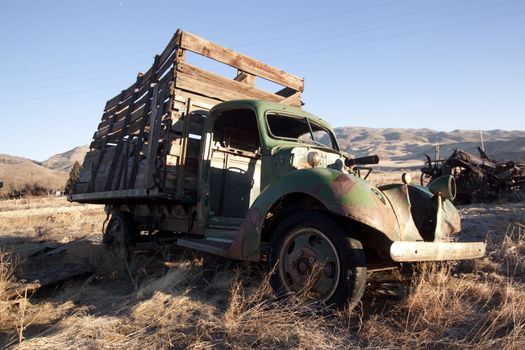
401 251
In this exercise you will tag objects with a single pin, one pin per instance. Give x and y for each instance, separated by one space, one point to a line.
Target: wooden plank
27 250
244 77
192 151
108 112
245 63
194 79
183 150
286 92
137 125
167 64
219 53
198 101
153 140
112 103
293 100
85 170
138 113
102 144
140 103
168 50
196 124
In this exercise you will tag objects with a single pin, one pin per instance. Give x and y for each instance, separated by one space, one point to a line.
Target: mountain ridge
398 148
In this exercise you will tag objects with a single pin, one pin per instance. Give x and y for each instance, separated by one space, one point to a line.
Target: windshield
300 129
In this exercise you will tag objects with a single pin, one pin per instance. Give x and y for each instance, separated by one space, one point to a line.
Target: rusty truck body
229 169
478 178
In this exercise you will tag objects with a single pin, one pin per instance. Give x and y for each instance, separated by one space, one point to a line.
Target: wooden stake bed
142 149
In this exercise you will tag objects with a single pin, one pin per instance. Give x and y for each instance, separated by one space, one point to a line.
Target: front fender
341 194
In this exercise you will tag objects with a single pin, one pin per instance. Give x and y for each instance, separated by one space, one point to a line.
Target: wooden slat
85 170
197 80
153 140
245 63
293 100
286 92
101 143
116 165
244 77
136 126
183 150
112 102
168 50
198 101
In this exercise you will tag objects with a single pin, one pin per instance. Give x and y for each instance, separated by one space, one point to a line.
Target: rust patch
378 218
342 185
246 245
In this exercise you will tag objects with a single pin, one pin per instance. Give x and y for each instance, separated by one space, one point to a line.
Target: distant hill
398 147
64 161
23 176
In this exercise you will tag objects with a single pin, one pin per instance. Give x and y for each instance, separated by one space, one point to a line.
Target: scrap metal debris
478 179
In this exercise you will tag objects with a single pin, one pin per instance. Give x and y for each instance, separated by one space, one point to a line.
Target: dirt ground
170 298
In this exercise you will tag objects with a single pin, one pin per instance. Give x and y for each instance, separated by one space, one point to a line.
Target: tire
121 234
308 238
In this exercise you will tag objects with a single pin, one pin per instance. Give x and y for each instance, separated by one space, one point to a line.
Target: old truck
224 167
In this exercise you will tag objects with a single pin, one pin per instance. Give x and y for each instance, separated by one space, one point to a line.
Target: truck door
235 167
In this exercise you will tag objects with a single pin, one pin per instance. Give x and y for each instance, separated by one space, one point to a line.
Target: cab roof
260 105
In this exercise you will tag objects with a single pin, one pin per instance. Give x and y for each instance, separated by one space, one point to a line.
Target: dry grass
49 218
380 178
23 177
201 302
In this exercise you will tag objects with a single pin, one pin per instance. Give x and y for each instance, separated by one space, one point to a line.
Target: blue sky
380 63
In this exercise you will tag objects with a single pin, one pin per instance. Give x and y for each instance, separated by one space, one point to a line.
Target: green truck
225 167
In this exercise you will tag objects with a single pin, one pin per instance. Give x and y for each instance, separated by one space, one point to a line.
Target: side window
235 164
237 129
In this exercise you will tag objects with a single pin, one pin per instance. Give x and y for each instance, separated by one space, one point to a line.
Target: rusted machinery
478 178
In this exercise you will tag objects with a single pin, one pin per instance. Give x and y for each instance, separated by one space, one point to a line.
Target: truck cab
274 186
248 145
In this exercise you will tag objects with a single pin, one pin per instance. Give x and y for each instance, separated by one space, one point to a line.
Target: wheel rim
116 234
309 263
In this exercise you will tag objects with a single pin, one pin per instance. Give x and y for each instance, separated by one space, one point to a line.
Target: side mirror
444 185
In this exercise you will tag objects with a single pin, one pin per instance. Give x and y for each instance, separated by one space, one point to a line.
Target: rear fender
342 194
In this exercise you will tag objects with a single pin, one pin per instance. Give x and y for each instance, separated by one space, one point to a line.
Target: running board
206 245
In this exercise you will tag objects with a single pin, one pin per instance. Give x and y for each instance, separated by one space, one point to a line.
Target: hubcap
309 263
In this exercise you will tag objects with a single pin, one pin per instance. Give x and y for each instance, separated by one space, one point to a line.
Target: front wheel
312 255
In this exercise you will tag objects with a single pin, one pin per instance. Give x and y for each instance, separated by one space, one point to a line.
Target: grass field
172 298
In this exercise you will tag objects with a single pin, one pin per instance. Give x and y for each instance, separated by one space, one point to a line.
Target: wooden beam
245 63
153 140
183 151
246 78
286 92
293 100
215 86
152 90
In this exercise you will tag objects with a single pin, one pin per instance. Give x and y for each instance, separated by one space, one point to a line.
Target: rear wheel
313 256
121 233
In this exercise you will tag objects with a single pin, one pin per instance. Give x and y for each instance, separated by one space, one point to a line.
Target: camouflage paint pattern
342 194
